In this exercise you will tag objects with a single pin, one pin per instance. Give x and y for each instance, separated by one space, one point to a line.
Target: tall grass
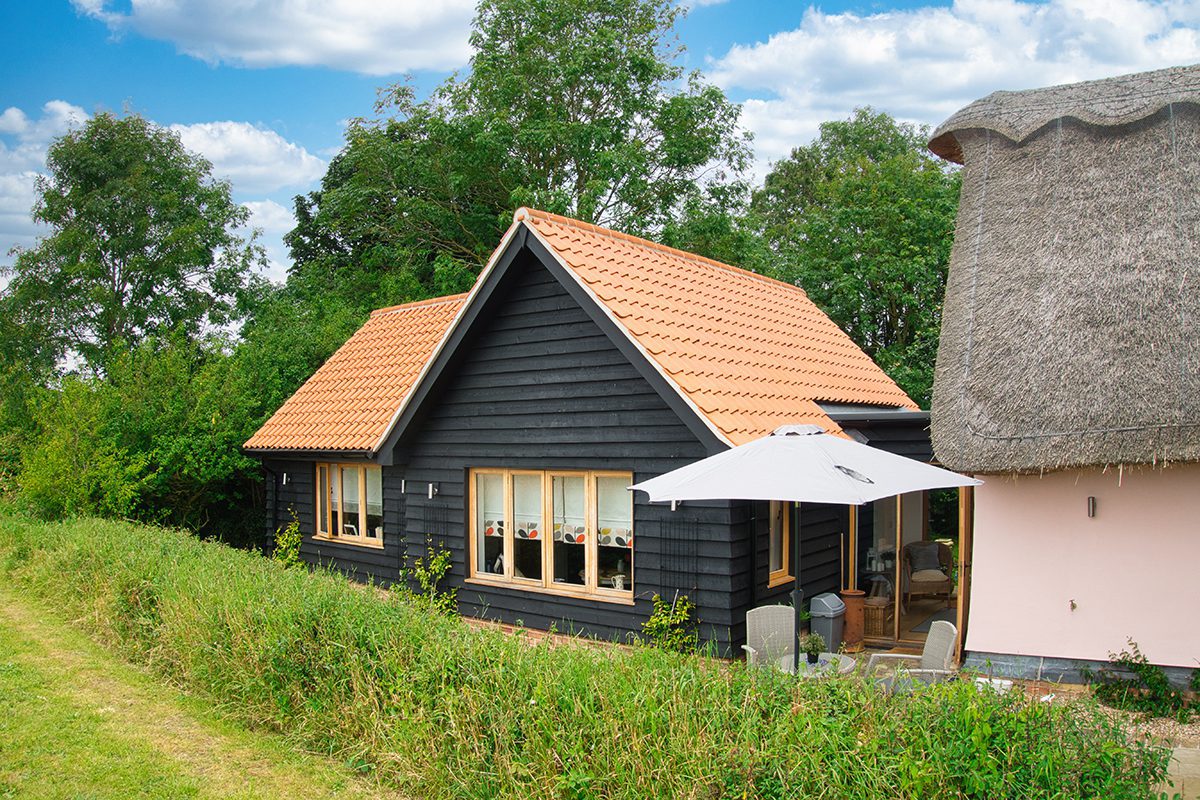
445 710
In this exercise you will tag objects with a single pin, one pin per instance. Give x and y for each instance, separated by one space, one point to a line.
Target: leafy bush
430 571
1131 682
442 709
287 542
673 626
155 440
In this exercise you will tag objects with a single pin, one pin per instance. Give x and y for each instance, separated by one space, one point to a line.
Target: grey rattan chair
935 664
769 632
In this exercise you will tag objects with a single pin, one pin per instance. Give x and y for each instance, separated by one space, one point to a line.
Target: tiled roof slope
348 404
750 352
747 352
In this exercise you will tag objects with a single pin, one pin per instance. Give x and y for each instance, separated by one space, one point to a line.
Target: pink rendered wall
1132 570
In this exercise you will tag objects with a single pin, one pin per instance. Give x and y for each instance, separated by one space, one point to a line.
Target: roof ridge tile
525 212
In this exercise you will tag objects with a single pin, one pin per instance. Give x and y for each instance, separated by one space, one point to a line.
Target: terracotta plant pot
852 627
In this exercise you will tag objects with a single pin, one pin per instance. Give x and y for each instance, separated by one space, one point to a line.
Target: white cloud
13 120
270 216
368 36
256 160
23 144
17 228
922 65
274 220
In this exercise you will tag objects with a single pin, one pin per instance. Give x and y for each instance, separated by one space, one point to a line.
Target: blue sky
263 87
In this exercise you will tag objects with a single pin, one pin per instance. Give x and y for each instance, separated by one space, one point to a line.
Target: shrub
156 439
287 542
1132 683
673 626
430 571
442 709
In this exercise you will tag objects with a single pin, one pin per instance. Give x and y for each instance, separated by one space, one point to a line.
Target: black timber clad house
534 376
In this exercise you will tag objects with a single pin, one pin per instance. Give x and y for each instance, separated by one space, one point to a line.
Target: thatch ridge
1071 326
1107 102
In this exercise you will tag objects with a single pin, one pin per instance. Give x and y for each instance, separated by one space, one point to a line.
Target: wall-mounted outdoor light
1091 506
285 479
433 490
674 504
402 484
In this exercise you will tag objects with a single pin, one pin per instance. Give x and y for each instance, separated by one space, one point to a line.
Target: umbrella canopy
801 463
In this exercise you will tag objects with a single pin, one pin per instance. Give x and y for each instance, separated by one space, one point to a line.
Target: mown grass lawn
75 722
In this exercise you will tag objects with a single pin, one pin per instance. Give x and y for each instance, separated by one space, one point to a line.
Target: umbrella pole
797 594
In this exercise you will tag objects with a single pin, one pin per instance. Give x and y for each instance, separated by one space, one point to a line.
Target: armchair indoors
926 570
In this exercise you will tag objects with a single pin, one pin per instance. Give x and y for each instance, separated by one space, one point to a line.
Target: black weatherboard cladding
299 494
534 379
538 385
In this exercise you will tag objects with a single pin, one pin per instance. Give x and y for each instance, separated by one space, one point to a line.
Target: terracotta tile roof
748 353
348 404
751 353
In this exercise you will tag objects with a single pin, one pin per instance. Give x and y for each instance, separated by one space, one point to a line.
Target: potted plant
812 646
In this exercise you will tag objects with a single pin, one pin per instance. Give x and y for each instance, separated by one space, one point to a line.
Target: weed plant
444 710
673 625
287 542
1131 682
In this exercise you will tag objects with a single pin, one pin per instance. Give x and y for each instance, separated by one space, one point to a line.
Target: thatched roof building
1071 327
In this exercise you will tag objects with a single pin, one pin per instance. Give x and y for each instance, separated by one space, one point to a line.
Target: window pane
335 494
323 499
489 523
569 511
527 526
776 560
374 503
350 501
614 515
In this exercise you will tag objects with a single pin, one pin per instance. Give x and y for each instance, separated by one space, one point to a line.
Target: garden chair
769 632
934 665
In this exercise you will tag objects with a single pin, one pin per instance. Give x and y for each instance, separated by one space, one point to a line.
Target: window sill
366 543
581 594
779 580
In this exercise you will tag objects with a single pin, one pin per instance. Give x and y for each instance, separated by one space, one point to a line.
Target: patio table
827 664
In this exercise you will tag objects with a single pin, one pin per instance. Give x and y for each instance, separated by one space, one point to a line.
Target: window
780 543
560 531
350 503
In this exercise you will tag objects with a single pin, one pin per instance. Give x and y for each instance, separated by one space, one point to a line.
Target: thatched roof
1071 327
1104 103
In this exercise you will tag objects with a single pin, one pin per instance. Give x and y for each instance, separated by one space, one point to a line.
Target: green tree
142 241
576 107
156 438
597 119
863 220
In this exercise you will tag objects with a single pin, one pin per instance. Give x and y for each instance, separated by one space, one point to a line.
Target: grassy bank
443 710
77 722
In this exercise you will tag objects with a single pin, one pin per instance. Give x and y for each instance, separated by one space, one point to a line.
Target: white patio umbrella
802 464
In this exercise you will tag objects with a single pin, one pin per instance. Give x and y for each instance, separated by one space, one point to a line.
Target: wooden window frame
784 573
591 588
325 529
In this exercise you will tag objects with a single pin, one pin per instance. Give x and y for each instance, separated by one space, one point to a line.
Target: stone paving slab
1185 773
